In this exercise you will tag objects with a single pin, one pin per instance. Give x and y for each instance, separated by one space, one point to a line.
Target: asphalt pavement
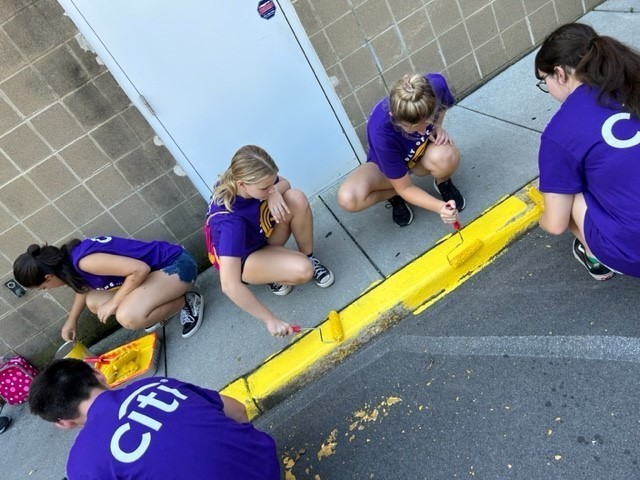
527 371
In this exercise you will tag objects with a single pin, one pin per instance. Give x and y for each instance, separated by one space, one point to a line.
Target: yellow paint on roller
412 289
337 333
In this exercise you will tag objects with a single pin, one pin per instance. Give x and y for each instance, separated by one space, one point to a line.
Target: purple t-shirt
394 150
156 254
161 428
595 150
242 231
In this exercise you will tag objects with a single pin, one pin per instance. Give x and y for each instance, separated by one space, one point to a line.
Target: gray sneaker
191 314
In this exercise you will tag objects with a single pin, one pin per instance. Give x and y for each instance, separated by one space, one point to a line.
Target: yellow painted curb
411 289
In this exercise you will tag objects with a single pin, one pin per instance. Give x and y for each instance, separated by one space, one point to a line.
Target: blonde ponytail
249 164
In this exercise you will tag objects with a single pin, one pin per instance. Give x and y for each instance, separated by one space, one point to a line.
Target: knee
302 272
347 199
444 160
296 200
130 319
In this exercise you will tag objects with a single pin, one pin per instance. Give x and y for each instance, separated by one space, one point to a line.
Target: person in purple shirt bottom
252 214
141 283
589 157
154 428
406 137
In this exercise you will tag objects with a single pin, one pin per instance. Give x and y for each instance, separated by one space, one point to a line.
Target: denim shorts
185 266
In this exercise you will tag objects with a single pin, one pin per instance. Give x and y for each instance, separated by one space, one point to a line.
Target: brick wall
77 159
366 45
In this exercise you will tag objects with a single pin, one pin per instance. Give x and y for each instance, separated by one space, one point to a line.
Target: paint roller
335 328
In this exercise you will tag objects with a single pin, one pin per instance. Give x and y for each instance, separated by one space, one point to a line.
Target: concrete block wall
366 45
76 160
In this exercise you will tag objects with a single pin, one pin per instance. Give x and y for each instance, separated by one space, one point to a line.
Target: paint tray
131 361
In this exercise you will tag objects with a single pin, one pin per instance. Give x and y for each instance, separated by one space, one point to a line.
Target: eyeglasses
542 84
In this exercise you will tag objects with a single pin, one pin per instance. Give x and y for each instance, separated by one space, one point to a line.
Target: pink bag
15 378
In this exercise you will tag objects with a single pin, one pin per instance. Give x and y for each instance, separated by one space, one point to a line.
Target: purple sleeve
441 89
560 172
211 396
229 237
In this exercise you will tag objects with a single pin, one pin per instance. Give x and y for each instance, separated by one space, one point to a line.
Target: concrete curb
411 289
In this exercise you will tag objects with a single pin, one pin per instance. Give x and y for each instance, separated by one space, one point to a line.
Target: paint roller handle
99 359
456 225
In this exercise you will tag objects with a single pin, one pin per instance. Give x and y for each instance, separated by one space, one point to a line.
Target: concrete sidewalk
381 271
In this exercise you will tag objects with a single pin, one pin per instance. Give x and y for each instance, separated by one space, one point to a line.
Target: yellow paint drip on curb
412 289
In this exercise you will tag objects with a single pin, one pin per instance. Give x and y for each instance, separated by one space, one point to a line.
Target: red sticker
266 9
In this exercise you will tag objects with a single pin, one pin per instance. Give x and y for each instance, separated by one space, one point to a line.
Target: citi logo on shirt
611 139
138 409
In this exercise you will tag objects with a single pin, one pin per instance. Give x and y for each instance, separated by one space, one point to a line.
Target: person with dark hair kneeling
153 428
589 151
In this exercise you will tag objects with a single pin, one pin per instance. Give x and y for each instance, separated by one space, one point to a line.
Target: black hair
598 61
31 267
56 392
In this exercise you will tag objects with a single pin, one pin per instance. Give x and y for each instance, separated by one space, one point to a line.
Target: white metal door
217 76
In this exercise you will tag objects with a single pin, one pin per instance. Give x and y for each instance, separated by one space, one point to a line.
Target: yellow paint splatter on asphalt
328 447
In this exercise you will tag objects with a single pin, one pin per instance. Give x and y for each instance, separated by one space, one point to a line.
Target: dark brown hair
31 267
598 61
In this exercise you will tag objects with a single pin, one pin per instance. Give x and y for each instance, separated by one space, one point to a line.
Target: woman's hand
448 212
277 205
106 310
278 328
439 136
69 330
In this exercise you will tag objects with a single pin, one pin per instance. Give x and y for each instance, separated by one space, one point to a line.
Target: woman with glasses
406 137
589 157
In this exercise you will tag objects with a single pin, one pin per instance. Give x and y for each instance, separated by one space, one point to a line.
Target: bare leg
299 222
159 297
276 264
364 187
439 161
576 225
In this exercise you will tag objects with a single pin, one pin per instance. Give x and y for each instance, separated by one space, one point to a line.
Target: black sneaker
280 289
4 423
191 313
401 214
448 191
596 270
321 275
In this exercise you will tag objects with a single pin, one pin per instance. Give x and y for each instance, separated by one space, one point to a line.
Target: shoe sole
600 278
282 293
156 326
199 322
329 282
